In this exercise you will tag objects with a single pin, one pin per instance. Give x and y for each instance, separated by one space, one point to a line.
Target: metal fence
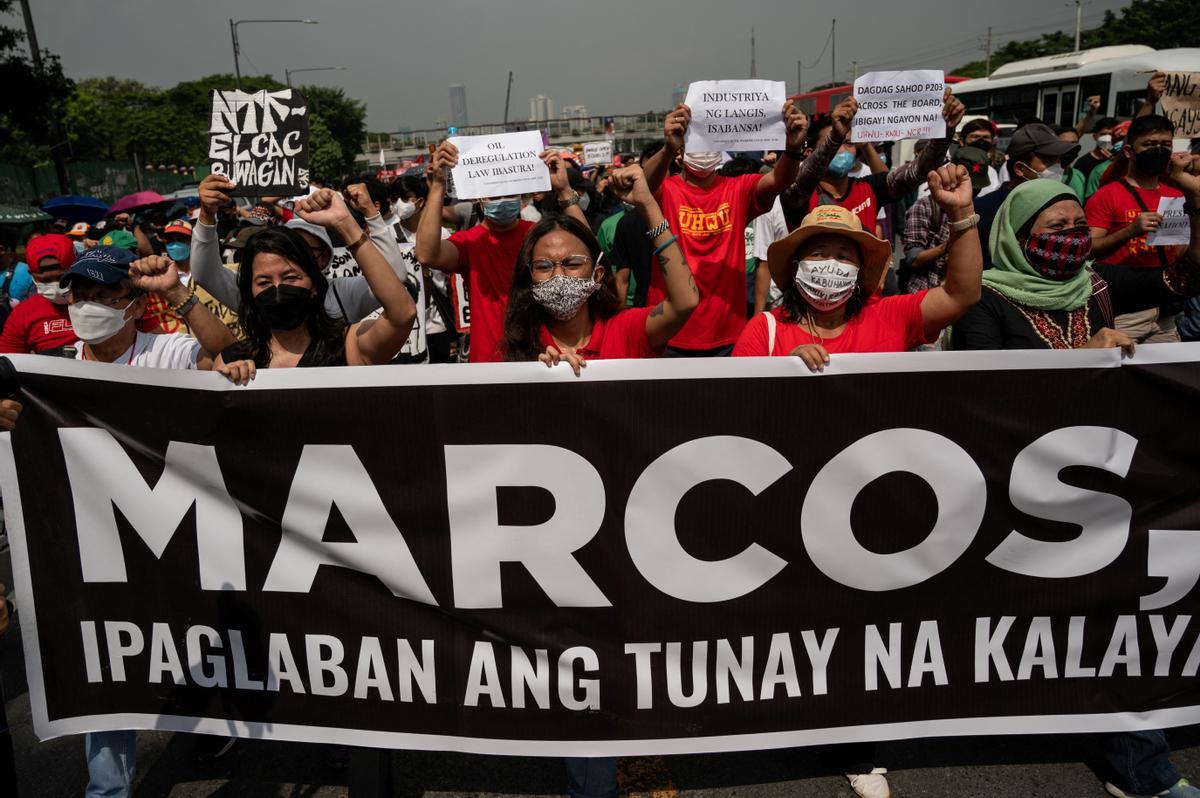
22 184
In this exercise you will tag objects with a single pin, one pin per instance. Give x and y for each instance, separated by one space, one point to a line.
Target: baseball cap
81 229
102 264
122 239
180 227
976 162
1039 139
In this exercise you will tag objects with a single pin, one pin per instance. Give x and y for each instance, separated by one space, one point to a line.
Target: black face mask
1153 161
284 307
981 144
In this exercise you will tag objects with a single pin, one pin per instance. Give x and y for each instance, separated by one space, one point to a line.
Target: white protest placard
1176 228
899 105
499 166
597 152
736 115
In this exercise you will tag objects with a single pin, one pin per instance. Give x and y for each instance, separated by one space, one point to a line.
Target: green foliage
1162 24
30 98
344 117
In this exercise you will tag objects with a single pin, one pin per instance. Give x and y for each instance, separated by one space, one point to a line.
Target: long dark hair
328 334
525 318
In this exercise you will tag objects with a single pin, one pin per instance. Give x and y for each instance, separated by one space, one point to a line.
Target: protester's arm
1106 240
1088 121
380 232
871 158
378 340
813 168
672 313
145 248
1154 90
430 249
788 165
658 166
908 177
205 263
561 185
950 188
159 275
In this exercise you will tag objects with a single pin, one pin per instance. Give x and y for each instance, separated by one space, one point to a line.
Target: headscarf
1011 273
51 245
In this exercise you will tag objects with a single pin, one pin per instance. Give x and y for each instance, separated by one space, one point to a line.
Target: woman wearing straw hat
831 270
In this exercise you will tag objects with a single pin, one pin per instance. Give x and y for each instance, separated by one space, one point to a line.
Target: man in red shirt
1124 210
708 214
40 324
486 252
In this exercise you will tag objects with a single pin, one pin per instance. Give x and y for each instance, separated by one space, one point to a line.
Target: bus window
1066 108
1050 107
1128 102
976 102
1011 105
1097 86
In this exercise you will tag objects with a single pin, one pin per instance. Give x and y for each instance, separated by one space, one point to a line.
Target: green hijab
1011 274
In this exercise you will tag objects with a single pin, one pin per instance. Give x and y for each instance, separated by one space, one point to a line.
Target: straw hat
823 220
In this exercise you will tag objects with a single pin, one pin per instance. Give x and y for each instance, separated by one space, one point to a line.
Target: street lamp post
289 72
237 69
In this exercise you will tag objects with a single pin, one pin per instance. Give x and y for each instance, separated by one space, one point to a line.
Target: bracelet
186 306
662 227
668 243
963 225
362 239
567 203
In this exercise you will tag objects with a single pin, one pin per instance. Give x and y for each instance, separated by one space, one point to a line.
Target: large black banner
658 557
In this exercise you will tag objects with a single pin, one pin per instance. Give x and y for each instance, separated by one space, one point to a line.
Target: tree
1165 24
30 100
344 117
325 156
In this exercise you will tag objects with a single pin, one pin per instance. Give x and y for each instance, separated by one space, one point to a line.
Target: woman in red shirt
830 270
564 306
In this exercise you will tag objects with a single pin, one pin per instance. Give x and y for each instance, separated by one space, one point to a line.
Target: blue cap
104 265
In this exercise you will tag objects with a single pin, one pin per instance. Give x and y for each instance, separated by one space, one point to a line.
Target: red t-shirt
859 200
36 325
887 324
487 258
709 224
622 336
1112 207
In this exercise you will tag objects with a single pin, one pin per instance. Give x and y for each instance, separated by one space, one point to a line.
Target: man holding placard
1126 217
824 178
707 212
495 171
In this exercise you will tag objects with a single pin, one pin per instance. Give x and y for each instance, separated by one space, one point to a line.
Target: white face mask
1054 172
95 323
702 164
826 284
404 210
52 292
1104 142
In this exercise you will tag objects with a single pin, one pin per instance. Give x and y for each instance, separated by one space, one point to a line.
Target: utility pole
799 76
833 53
753 66
988 72
507 97
1078 22
855 63
237 68
56 136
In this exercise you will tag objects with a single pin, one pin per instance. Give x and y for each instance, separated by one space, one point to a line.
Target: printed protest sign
736 115
499 166
597 152
1181 103
1176 228
899 105
260 141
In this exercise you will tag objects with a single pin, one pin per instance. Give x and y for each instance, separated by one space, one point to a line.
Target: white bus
1055 88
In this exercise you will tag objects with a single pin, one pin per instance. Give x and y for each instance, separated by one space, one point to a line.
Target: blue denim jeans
111 759
1140 761
591 777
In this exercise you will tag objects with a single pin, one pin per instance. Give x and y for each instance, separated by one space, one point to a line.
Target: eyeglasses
573 265
122 301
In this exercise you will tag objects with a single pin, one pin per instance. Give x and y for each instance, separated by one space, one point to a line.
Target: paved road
988 767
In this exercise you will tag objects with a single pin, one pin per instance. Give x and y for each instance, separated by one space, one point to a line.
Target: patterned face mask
1059 255
562 296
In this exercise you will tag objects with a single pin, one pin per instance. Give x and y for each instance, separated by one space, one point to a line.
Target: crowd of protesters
1029 246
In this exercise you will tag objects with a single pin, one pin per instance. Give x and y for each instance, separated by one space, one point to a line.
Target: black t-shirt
986 207
633 250
997 323
1086 163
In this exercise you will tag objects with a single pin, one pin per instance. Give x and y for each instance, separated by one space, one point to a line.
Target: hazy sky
614 56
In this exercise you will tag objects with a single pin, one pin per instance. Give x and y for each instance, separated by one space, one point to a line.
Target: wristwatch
963 225
567 203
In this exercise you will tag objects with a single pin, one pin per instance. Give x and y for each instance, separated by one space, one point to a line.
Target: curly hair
328 334
524 317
